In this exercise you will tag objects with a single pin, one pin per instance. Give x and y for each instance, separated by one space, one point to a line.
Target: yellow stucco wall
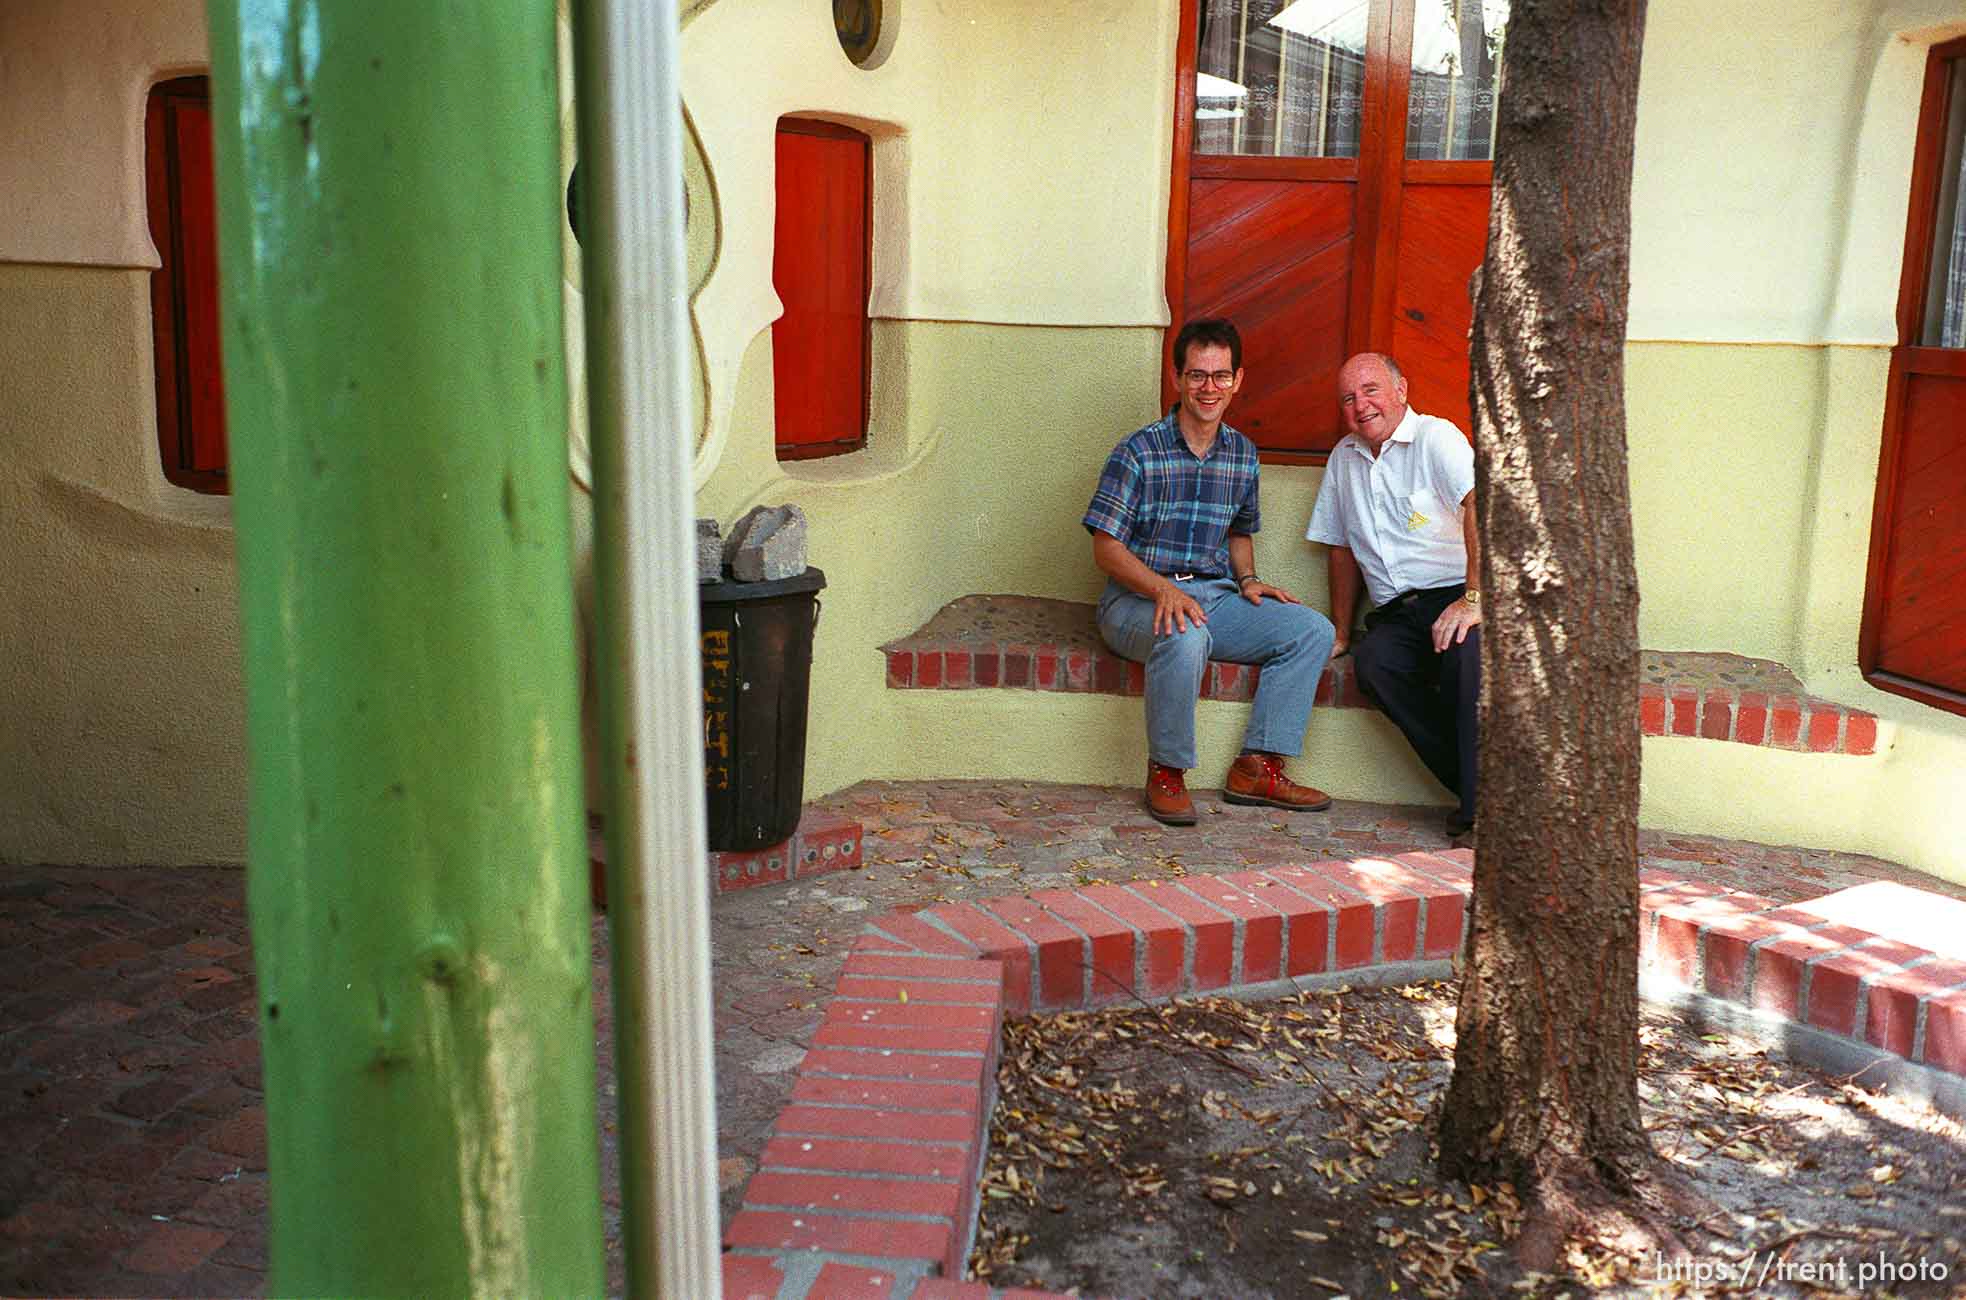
1021 159
1772 161
1753 444
122 738
972 112
72 96
993 505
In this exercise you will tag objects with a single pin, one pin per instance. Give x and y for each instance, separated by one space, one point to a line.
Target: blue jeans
1291 643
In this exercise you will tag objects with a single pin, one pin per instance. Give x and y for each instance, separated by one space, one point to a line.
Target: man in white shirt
1397 510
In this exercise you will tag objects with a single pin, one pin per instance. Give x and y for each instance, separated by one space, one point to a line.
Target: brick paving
133 1120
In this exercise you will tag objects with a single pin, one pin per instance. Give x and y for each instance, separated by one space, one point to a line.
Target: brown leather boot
1260 779
1167 796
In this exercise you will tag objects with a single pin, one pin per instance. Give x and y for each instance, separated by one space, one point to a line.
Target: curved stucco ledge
884 458
839 472
900 437
178 519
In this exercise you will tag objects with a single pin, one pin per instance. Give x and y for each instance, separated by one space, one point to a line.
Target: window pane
1945 295
1457 50
1280 78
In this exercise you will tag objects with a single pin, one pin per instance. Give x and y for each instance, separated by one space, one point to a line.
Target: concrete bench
1032 643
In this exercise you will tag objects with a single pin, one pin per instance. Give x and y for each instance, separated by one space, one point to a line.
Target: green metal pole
389 236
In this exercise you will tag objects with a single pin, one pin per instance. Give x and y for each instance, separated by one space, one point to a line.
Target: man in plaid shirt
1171 526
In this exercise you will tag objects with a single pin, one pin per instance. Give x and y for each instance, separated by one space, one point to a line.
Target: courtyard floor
131 1112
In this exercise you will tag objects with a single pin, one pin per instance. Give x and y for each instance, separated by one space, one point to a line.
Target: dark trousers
1431 697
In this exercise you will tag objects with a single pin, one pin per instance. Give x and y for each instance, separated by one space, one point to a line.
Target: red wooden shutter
819 268
184 289
1913 639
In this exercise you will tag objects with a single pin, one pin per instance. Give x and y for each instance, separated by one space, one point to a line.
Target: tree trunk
1545 1091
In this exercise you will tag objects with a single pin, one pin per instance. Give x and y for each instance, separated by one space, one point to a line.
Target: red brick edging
823 841
1711 712
1778 721
869 1184
1790 963
1079 671
871 1175
1027 643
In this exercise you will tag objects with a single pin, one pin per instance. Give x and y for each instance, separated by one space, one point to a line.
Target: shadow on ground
1280 1149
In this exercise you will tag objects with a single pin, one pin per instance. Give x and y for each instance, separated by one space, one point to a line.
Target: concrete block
742 529
709 551
771 544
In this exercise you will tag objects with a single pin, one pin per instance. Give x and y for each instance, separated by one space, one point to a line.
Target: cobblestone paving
130 1106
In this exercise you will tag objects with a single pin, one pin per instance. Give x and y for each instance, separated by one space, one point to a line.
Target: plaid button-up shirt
1171 509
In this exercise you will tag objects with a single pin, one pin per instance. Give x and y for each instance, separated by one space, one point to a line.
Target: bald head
1371 398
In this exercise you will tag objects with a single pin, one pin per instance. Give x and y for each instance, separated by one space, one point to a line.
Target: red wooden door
1443 232
820 270
1330 195
1914 631
1265 216
1274 254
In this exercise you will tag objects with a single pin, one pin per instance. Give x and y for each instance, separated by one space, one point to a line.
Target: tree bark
1544 1092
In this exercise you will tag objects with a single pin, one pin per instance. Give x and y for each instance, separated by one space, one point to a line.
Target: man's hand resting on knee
1175 610
1451 628
1255 590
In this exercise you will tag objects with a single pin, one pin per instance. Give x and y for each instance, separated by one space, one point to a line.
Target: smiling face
1203 397
1371 399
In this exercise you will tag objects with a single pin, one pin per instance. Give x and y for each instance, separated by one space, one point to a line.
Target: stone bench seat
1034 643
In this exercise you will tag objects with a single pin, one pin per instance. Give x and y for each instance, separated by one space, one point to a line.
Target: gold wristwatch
1473 597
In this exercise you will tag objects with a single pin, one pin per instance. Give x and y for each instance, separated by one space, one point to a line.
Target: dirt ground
1213 1148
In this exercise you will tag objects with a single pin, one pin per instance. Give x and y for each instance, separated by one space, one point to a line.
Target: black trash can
757 676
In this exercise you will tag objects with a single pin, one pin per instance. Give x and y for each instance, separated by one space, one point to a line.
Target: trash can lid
728 591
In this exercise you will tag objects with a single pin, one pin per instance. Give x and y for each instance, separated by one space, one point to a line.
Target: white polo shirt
1399 512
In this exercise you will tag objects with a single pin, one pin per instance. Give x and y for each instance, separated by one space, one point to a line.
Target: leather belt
1408 597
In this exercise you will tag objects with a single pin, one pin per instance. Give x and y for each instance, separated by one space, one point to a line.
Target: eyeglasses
1204 378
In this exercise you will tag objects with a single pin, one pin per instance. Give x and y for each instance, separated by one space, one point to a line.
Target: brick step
878 1152
824 841
870 1178
1800 964
758 1277
1034 643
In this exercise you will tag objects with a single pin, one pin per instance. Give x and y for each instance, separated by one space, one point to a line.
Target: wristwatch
1473 597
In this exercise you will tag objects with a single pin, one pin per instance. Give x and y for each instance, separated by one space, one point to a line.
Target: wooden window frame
1381 170
1921 223
816 450
170 291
